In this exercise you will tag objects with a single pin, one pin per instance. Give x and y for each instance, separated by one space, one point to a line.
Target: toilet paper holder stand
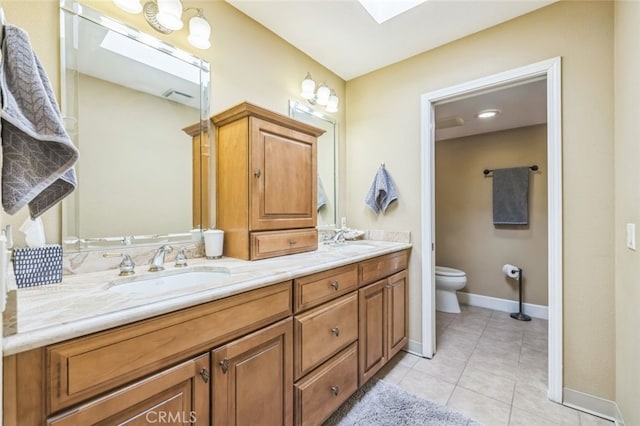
520 316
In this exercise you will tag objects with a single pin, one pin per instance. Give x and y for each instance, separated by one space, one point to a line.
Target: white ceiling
341 35
521 105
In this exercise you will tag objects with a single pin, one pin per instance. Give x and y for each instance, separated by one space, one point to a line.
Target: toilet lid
448 272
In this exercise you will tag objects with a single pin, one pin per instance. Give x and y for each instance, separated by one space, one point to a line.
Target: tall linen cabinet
266 183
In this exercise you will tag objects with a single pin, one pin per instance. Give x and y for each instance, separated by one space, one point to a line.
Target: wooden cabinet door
175 396
373 329
253 378
397 313
283 180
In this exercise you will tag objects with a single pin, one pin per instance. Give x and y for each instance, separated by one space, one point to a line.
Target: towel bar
487 172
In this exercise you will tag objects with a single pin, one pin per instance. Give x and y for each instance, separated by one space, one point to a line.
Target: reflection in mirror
327 160
126 98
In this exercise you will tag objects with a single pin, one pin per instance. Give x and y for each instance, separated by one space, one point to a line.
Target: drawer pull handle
257 173
335 285
205 375
335 390
293 242
224 366
335 331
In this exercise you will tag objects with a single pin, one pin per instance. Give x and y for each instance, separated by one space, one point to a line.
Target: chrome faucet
338 237
126 266
157 261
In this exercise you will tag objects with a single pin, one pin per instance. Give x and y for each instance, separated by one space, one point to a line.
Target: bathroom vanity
281 341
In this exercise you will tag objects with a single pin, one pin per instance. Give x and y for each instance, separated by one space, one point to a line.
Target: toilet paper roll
213 239
511 271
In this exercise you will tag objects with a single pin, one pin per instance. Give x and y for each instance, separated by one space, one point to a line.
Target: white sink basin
354 247
191 279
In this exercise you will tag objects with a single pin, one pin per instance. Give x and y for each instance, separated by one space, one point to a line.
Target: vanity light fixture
165 16
324 96
488 113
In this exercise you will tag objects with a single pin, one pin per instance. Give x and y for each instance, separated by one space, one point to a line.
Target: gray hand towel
382 192
38 155
511 196
322 196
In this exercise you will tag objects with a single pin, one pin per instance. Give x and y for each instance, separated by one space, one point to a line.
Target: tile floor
489 367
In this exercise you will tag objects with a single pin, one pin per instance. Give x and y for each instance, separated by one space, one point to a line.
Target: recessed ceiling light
382 11
488 113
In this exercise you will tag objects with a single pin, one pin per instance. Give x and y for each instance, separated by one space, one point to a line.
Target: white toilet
448 281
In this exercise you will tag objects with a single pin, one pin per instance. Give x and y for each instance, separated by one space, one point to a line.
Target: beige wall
627 196
466 238
248 62
120 176
383 124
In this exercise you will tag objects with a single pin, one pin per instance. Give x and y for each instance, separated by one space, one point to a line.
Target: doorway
551 70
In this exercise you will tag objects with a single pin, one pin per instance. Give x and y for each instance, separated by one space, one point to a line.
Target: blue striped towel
382 192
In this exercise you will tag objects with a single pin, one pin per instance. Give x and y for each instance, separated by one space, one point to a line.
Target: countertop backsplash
94 261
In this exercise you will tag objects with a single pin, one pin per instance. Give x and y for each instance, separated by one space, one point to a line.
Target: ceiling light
324 96
488 113
165 16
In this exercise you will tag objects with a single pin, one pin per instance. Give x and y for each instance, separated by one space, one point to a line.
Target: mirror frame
297 107
73 243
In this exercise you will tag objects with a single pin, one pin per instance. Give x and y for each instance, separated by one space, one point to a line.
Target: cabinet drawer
84 367
278 243
381 267
323 331
323 391
314 289
182 391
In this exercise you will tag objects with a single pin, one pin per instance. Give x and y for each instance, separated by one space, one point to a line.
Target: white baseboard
503 305
413 347
593 405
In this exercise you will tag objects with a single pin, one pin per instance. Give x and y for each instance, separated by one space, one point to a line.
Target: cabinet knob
293 242
205 375
257 173
335 331
224 365
335 390
335 285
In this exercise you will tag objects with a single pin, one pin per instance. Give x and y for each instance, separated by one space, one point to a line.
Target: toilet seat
444 271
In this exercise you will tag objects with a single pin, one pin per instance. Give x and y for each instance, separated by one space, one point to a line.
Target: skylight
383 10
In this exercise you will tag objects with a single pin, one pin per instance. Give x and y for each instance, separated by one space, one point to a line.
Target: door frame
551 69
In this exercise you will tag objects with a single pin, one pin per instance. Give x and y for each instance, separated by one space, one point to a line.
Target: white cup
213 239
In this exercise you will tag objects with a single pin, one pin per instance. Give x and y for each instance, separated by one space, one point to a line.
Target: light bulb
308 86
199 32
323 94
170 14
332 104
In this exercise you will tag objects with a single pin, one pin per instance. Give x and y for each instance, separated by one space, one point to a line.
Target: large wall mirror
126 98
327 160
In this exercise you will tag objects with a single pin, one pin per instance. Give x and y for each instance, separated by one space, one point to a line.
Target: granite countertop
91 302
